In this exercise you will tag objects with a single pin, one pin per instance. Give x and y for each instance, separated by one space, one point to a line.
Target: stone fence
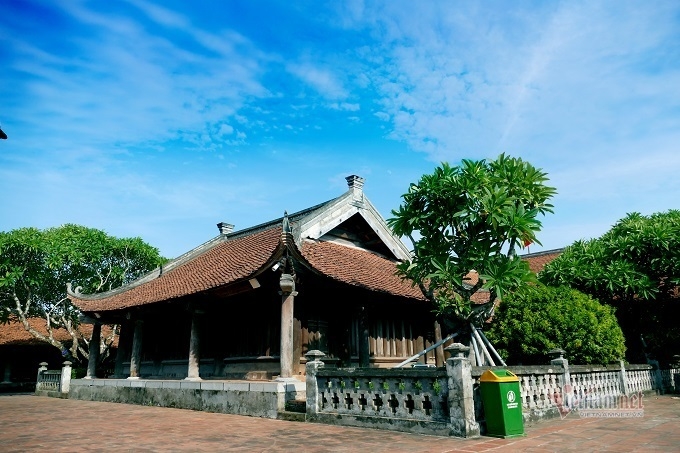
419 400
53 381
545 395
448 400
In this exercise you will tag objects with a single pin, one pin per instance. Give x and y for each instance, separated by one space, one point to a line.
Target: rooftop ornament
3 136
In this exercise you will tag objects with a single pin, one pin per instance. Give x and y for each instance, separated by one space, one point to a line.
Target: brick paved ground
32 423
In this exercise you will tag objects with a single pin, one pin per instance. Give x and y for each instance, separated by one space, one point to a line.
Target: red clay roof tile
227 262
537 261
14 332
359 268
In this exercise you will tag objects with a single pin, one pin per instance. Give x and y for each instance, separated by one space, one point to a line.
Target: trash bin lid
498 376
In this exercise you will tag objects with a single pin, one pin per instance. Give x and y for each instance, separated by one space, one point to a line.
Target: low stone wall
258 399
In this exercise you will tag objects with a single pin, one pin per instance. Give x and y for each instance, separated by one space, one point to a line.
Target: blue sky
161 119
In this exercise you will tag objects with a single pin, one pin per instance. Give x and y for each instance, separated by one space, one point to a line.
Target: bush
539 318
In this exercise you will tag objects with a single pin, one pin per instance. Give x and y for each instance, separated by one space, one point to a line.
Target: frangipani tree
36 265
471 219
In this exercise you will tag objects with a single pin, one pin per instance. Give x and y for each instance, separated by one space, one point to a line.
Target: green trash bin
502 403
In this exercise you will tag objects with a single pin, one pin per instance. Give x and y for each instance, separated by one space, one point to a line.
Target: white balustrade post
461 400
66 377
313 394
43 367
624 379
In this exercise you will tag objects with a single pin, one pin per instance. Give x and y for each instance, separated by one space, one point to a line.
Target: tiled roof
537 261
224 263
240 257
14 333
358 267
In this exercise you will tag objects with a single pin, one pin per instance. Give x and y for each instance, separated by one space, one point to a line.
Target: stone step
291 416
299 406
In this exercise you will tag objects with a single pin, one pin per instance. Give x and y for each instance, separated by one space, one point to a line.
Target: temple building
250 303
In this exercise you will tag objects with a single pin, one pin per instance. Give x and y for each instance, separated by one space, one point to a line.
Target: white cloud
137 87
346 106
466 80
324 81
226 129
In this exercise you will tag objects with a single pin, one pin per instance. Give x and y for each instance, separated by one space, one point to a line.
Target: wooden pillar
364 351
93 355
439 350
297 344
7 373
123 351
288 294
193 373
136 356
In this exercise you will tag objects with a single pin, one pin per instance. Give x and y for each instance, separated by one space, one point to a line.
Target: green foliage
635 267
36 265
639 258
538 318
471 217
437 387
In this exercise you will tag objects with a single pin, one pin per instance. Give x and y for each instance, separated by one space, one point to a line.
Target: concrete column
364 347
658 380
93 356
313 364
7 373
463 422
136 356
193 373
288 294
66 377
439 350
123 351
557 358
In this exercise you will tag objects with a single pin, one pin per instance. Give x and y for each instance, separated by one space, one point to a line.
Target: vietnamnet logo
590 405
511 397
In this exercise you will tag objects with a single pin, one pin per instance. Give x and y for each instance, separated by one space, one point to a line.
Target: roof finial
225 228
356 184
286 223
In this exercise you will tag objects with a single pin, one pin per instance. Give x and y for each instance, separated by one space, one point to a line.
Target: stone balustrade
57 381
434 401
417 394
419 400
543 388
